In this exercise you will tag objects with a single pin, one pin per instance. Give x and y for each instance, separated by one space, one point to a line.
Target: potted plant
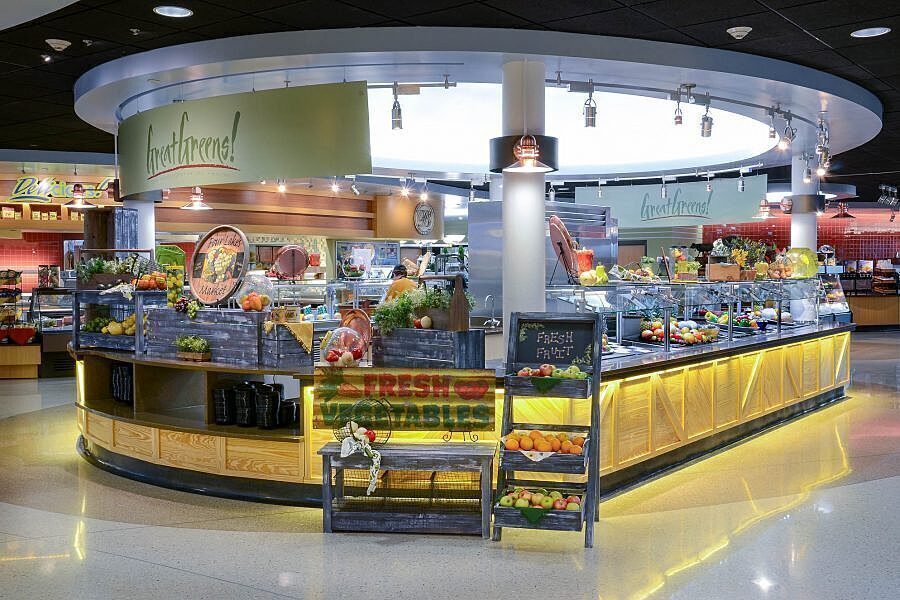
192 347
394 314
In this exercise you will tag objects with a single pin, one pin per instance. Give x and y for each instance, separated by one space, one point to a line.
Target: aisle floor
808 510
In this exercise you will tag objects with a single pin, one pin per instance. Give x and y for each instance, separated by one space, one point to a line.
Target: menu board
219 264
554 340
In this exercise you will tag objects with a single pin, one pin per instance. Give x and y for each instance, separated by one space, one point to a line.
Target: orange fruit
575 449
562 437
535 434
542 446
512 444
555 445
578 441
566 446
526 443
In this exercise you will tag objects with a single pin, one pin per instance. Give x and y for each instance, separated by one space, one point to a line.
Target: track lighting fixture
679 118
404 189
789 133
590 107
807 173
740 183
552 193
282 187
424 194
600 184
396 113
706 122
196 202
708 182
663 192
772 132
354 189
334 185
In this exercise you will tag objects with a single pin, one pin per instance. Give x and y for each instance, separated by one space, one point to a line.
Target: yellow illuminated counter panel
656 411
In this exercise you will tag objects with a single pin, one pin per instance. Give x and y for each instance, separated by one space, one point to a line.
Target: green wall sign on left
310 131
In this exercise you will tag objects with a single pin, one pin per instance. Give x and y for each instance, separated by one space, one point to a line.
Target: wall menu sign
554 340
419 399
308 131
37 190
219 264
685 204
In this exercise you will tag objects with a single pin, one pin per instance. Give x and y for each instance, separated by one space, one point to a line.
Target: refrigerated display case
833 304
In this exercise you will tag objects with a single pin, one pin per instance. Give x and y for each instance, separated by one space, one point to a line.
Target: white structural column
523 194
803 220
146 218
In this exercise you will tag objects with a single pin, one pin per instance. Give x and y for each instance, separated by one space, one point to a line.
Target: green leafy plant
394 314
436 298
687 266
192 343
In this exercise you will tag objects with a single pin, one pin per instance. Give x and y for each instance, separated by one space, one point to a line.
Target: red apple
333 356
524 372
646 333
357 353
574 499
546 370
370 434
418 323
560 504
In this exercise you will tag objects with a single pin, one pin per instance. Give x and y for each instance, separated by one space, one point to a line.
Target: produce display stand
422 486
561 340
434 514
119 306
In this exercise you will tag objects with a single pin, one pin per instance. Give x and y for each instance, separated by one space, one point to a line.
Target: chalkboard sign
559 340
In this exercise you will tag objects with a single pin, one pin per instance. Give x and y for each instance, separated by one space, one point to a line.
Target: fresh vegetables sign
419 399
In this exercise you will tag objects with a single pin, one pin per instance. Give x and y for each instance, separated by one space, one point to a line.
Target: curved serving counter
657 410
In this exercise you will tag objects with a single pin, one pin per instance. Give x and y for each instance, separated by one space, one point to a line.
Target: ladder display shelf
560 340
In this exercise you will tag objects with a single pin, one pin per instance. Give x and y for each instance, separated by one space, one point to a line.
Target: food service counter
657 411
875 311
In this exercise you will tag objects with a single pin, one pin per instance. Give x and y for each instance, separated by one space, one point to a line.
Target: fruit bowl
343 347
256 293
805 263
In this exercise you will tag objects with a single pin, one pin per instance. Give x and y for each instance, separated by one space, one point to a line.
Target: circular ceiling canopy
448 130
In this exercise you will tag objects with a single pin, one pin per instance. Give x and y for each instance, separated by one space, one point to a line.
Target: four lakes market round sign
219 264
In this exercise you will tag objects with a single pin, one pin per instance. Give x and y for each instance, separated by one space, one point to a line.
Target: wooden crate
104 340
430 348
233 334
558 520
562 388
723 272
279 349
570 464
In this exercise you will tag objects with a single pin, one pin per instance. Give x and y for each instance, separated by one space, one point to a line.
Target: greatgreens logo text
675 207
190 151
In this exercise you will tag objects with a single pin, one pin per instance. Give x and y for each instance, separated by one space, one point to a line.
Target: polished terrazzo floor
808 510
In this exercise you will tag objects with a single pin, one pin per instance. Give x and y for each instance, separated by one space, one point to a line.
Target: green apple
555 495
522 503
547 502
541 491
573 506
507 501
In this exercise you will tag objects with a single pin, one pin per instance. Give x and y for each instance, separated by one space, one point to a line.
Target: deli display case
51 311
833 304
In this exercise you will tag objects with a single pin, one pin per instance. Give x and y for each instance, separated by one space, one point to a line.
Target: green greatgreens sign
311 131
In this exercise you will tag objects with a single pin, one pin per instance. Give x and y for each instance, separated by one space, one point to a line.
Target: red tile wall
32 250
869 236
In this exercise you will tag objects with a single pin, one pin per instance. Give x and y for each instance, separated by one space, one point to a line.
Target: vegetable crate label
218 264
555 342
420 399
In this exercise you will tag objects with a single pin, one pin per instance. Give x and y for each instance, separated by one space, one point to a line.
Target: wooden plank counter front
654 414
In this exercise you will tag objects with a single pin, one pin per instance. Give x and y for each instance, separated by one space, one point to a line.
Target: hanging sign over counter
34 189
685 204
308 131
420 399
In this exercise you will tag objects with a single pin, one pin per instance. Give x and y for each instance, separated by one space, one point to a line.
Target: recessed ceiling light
173 11
58 44
870 32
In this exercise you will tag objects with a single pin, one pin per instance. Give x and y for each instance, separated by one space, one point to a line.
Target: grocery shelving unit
512 463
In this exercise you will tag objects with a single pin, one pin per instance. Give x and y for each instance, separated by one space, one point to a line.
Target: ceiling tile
251 7
398 9
828 13
620 22
109 26
765 26
680 13
540 11
470 15
204 13
243 25
839 36
320 14
173 39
